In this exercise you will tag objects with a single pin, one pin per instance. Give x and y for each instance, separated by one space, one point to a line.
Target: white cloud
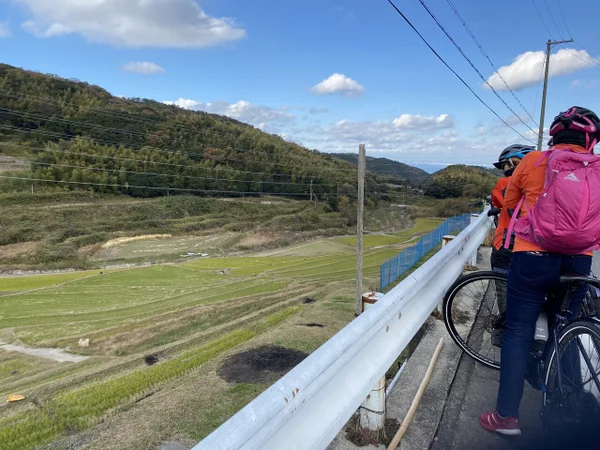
339 84
408 137
262 117
586 84
526 69
130 23
425 123
143 67
4 30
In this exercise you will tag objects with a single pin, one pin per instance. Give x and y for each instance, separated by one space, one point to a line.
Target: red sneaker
493 422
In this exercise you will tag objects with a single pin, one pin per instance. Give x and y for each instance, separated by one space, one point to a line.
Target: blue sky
327 74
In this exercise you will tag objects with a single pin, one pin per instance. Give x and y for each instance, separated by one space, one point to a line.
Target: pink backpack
566 217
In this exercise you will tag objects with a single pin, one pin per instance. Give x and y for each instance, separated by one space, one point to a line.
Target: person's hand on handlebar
494 212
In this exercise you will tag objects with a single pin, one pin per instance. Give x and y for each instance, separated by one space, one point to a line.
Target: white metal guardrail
306 408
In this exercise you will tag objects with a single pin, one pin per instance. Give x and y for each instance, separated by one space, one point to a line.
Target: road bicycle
564 360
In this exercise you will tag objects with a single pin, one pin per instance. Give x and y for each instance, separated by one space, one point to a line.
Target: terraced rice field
187 316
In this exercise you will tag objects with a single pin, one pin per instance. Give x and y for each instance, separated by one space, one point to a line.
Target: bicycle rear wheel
571 398
473 311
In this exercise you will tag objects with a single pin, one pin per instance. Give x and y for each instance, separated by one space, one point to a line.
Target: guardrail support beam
372 411
473 260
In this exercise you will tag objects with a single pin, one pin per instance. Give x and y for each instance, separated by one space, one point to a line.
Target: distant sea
430 168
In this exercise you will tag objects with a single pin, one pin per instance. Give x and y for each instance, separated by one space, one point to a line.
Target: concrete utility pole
549 45
359 225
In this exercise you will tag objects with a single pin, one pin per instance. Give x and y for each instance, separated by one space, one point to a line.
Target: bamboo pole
415 403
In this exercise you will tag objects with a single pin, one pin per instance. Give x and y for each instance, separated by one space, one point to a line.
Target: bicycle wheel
571 398
473 311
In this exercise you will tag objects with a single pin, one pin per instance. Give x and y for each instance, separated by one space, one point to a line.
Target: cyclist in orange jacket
508 160
535 271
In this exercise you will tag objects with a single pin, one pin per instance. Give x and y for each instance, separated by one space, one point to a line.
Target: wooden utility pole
549 45
359 225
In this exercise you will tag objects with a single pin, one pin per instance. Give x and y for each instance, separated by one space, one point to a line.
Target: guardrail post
473 260
372 410
446 239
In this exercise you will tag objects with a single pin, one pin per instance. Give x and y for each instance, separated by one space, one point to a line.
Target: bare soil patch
260 365
14 250
254 240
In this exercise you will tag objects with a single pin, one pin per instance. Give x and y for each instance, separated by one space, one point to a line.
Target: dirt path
55 354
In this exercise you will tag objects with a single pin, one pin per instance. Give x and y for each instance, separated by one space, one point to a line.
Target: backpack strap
545 155
512 222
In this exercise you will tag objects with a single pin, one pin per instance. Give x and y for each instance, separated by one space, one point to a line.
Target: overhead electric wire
562 13
179 152
542 18
439 24
484 53
123 116
454 72
553 21
135 172
146 161
129 186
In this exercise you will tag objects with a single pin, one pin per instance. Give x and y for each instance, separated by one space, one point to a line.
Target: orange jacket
528 180
503 219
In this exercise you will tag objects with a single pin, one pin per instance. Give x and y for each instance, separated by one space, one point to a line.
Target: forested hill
388 167
462 181
86 138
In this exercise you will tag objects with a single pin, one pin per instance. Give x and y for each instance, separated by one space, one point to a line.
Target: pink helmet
574 121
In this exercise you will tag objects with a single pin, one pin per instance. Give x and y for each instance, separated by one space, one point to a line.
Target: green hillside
461 181
388 167
85 138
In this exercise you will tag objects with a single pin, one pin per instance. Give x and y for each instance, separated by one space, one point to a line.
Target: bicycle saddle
573 277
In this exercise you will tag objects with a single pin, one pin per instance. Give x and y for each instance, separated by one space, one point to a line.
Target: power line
553 21
106 142
583 56
484 53
190 190
135 172
181 153
471 63
123 116
145 161
564 19
84 183
453 71
542 18
115 114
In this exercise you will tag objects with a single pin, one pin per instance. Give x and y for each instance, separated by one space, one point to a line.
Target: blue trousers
530 276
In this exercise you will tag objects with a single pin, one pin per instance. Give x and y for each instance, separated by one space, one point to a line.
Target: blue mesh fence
393 268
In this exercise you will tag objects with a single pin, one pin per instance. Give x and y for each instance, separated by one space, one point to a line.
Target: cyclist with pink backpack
554 198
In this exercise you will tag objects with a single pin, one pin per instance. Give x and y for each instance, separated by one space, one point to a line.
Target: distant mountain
462 181
388 167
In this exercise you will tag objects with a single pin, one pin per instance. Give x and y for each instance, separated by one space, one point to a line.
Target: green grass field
190 314
421 226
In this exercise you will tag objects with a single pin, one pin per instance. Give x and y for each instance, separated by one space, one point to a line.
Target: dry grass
15 250
127 240
254 240
489 239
